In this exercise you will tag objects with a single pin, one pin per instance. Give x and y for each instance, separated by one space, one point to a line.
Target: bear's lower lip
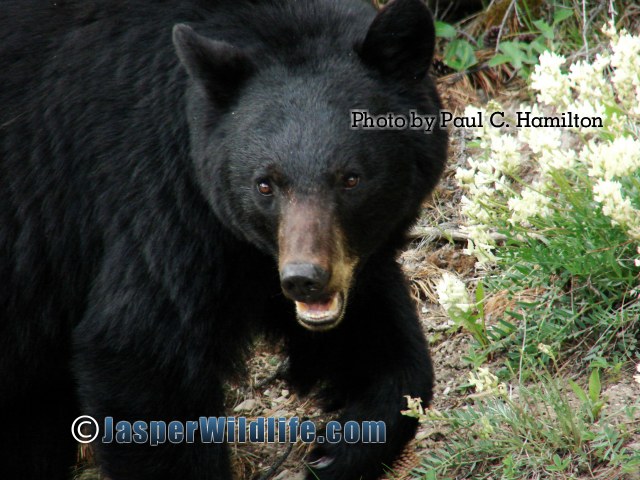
320 316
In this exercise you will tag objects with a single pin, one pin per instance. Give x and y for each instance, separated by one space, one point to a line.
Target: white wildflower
473 210
486 382
609 29
550 160
625 61
637 377
618 158
486 430
483 252
465 176
587 108
542 139
480 243
528 205
414 407
589 82
609 194
481 166
525 133
505 154
634 232
618 124
553 86
602 61
473 112
452 294
546 349
493 106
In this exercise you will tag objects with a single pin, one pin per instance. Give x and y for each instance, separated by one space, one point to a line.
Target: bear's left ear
219 67
400 40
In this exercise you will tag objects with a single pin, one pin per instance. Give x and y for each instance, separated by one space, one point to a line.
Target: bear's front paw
321 457
342 462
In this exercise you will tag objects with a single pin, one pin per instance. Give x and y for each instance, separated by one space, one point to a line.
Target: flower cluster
518 178
608 160
611 79
625 61
414 407
453 295
546 349
487 383
554 88
609 193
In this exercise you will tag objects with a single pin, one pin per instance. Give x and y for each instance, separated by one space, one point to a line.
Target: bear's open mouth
322 315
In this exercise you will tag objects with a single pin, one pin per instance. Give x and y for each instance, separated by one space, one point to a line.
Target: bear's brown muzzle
315 267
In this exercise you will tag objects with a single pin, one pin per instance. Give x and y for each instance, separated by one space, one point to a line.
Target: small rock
246 406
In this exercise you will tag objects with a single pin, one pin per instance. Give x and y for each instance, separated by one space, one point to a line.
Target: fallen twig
448 235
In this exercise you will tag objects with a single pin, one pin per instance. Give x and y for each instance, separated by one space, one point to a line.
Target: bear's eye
350 181
264 187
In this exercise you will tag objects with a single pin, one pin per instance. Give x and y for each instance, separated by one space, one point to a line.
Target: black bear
177 177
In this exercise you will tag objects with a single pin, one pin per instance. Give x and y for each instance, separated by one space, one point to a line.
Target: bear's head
278 161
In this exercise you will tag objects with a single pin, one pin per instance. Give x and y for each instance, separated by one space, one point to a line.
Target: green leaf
515 51
596 409
499 59
545 28
515 315
444 30
430 475
561 14
595 387
459 55
560 465
582 396
480 300
539 46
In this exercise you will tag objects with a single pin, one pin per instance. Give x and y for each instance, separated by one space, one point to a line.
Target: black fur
137 260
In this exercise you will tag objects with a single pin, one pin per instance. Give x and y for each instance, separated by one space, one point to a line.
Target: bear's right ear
400 40
219 67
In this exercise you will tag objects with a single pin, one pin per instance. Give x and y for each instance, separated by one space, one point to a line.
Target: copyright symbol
78 426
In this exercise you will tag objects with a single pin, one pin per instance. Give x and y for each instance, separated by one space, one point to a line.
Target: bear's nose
303 281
